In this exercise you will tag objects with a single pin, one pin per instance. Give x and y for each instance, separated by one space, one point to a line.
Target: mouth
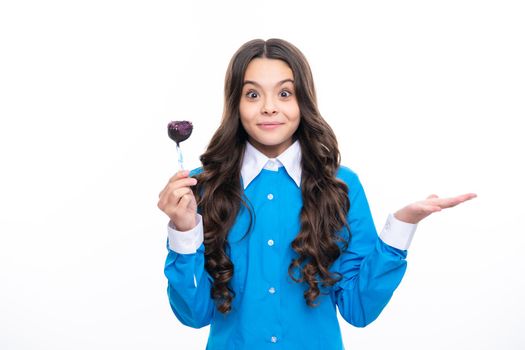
269 126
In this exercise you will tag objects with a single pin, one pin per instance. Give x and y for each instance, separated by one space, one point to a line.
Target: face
268 107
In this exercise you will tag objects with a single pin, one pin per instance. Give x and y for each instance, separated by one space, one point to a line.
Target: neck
271 151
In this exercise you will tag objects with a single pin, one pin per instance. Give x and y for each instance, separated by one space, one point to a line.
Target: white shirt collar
254 162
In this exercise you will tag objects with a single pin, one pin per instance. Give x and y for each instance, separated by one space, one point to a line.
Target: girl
272 233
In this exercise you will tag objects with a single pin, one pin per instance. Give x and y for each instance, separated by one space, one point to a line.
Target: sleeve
186 242
189 284
370 269
397 233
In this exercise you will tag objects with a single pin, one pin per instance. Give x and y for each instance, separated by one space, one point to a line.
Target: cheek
296 124
246 112
294 114
297 119
242 114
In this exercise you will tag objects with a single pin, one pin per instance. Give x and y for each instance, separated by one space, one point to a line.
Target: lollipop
179 131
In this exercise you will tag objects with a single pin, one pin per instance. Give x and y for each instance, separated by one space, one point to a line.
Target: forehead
267 70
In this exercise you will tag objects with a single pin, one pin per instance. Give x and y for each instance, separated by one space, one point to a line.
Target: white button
271 290
270 242
272 165
274 339
270 196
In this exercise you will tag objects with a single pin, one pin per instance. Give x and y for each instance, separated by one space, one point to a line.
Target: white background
425 97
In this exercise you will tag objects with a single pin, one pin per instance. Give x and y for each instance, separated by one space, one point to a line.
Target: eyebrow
259 85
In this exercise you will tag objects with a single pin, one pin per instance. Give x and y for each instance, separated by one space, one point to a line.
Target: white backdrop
425 97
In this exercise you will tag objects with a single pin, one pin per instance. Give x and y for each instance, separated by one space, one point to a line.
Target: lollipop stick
179 152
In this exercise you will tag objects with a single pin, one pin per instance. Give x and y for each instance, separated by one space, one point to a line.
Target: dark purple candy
179 131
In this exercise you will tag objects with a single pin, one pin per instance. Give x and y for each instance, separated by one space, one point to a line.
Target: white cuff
186 242
397 233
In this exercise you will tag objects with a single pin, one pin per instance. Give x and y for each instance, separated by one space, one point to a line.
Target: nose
269 108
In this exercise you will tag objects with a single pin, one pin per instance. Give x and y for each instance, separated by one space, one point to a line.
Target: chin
270 142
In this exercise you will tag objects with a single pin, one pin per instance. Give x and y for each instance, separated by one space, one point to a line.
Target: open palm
415 212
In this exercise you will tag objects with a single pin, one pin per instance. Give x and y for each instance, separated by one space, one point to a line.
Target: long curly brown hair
325 198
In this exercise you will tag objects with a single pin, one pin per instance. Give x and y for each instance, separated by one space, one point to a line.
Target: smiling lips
269 126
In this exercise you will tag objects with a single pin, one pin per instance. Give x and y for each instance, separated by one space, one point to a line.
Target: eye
285 93
252 94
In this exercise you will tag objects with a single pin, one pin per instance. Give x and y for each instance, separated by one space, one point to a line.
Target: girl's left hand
415 212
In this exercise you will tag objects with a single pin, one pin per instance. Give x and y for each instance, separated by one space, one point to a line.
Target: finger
172 197
430 208
184 182
177 194
184 201
451 202
467 196
161 204
180 175
164 199
432 196
166 187
163 191
447 203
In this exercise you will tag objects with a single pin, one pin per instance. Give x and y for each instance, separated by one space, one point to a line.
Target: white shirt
395 233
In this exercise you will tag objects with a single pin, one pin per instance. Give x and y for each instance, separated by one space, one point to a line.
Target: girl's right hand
178 202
